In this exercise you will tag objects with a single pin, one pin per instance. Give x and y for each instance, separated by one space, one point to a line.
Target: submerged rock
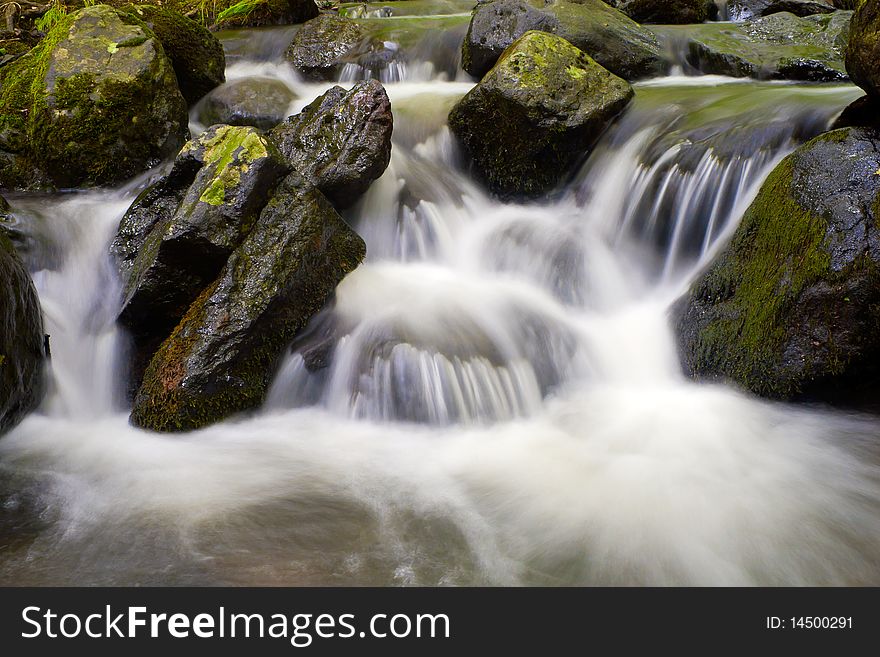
21 338
665 11
258 102
220 358
536 113
319 49
95 103
178 234
799 7
780 46
863 51
792 306
341 142
610 37
195 53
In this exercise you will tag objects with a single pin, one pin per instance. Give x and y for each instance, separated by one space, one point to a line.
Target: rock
610 37
792 307
178 234
341 142
665 11
258 102
798 7
536 113
319 49
95 103
195 53
219 360
21 340
743 10
861 113
863 52
780 46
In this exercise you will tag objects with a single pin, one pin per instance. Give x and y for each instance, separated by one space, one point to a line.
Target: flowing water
494 396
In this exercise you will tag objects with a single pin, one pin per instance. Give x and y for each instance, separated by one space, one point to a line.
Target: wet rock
196 54
341 142
863 51
95 103
610 37
220 358
178 234
320 48
21 340
665 11
780 46
536 113
258 102
861 113
792 307
799 7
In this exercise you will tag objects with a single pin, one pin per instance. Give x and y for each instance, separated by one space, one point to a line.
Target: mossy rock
247 13
95 103
607 35
670 12
21 338
178 234
195 53
319 49
863 51
221 357
792 307
535 114
776 47
341 142
259 102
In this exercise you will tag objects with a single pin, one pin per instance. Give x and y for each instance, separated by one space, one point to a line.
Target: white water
503 404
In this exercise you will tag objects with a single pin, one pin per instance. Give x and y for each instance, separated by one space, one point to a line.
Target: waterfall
493 397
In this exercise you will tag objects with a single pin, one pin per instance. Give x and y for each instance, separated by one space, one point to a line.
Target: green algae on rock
195 53
792 306
219 360
607 35
95 103
21 341
341 142
535 114
863 50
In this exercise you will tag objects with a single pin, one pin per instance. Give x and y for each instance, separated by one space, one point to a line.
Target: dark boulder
178 234
799 7
220 358
341 142
259 102
95 103
792 307
665 11
320 48
21 338
863 51
196 54
607 35
535 114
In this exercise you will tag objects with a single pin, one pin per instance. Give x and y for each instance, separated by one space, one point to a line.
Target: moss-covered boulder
95 103
863 51
607 35
535 114
21 338
792 306
225 14
321 46
665 11
341 142
799 7
220 358
178 234
195 53
259 102
776 47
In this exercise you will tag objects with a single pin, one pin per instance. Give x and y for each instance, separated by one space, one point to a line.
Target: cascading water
493 397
